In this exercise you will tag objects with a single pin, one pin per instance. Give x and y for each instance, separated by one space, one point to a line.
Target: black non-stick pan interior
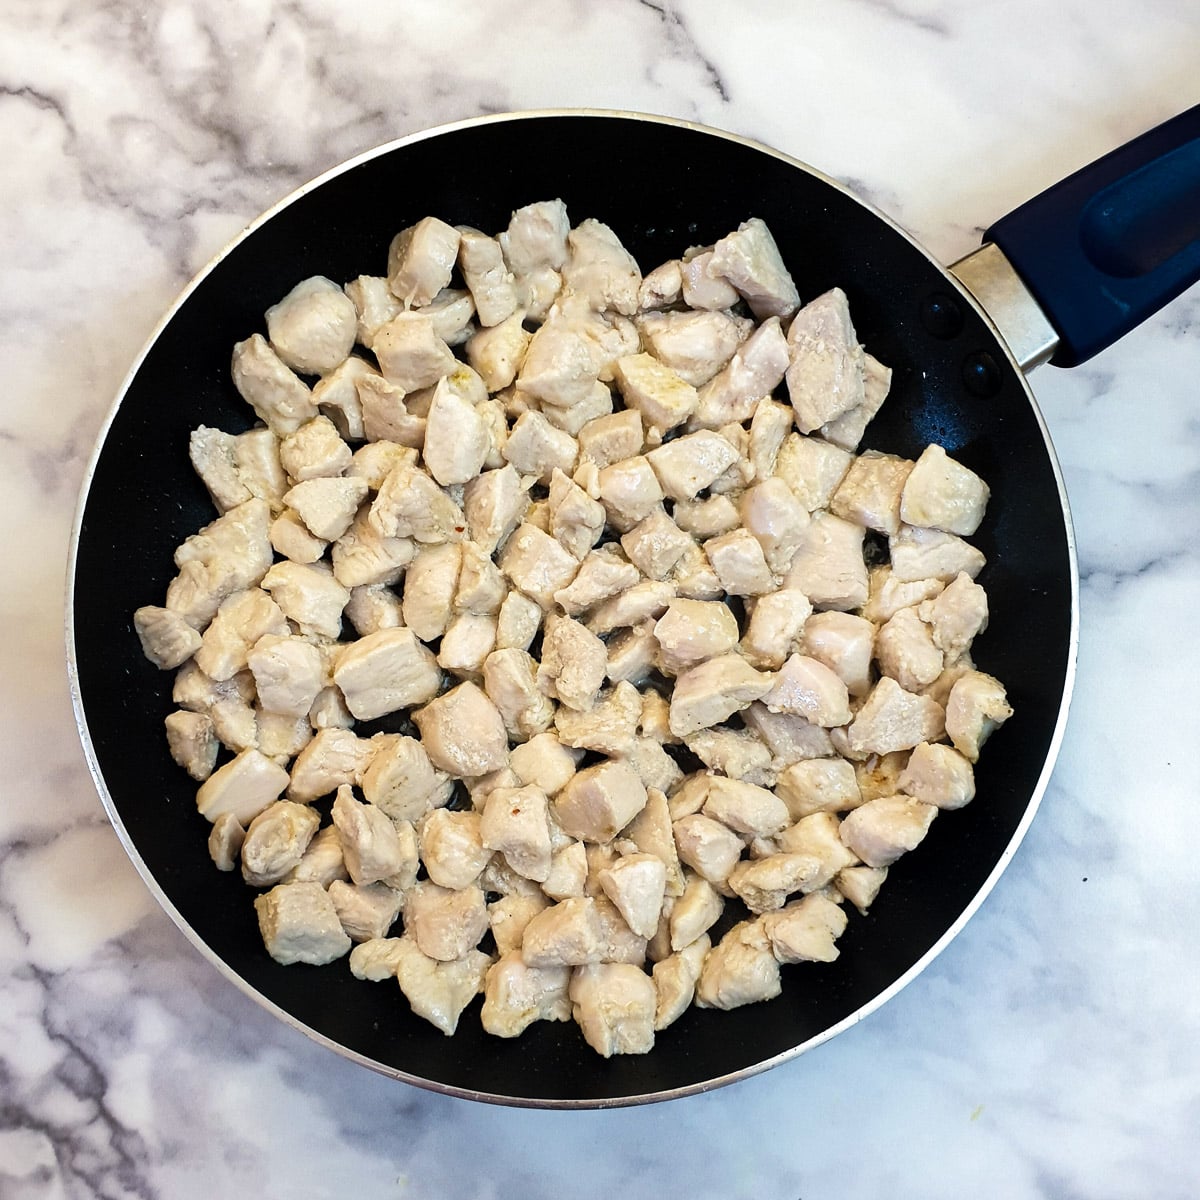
662 187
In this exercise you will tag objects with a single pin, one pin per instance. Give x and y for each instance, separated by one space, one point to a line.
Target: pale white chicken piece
694 577
655 545
243 787
818 785
279 398
228 555
374 461
516 995
597 404
536 237
225 842
256 456
576 520
439 991
708 517
740 969
825 378
463 732
893 719
235 724
805 930
288 673
430 585
847 430
308 594
661 287
738 560
367 911
599 801
291 538
711 691
695 912
609 727
776 624
656 392
574 663
445 923
905 650
977 707
517 622
636 884
167 639
336 394
789 738
811 690
602 575
828 566
537 448
943 494
510 679
644 600
329 710
655 767
869 493
745 808
537 564
600 270
544 762
281 736
938 774
883 829
299 923
737 753
374 305
614 1005
386 414
694 344
327 506
860 885
703 286
750 260
516 823
385 671
630 492
688 464
322 861
689 795
568 872
812 468
675 979
608 439
212 454
817 835
456 438
567 934
494 504
377 959
192 742
932 554
314 451
563 359
752 374
401 780
374 848
888 595
466 644
709 847
632 653
692 631
956 615
771 512
508 917
421 260
498 351
411 354
764 884
487 277
333 757
879 774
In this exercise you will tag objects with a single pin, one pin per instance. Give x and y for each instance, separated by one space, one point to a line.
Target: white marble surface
1053 1050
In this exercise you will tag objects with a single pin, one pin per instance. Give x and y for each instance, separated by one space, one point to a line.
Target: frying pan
1100 252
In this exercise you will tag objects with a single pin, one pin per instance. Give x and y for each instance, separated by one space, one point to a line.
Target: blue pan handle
1110 245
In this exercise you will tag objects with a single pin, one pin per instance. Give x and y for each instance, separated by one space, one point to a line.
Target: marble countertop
1052 1050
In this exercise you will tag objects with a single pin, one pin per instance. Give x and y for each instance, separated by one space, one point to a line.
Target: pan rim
315 1035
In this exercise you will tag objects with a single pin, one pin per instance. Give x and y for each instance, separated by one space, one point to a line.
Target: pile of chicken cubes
600 537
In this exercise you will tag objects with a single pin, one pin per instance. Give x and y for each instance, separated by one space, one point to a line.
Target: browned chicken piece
893 719
818 785
691 631
811 690
463 732
847 430
905 650
881 830
825 378
869 494
515 822
695 344
812 468
755 370
828 566
656 392
740 969
712 691
977 707
943 494
938 774
931 554
614 1005
956 615
805 930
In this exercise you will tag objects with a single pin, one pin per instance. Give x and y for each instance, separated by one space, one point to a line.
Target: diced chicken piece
372 845
614 1005
402 781
486 276
631 654
494 504
269 386
939 775
636 884
235 724
327 506
753 373
812 468
943 494
847 430
817 835
536 237
750 260
378 959
770 427
828 566
790 738
510 678
740 969
612 438
336 395
694 344
630 491
544 762
430 585
576 520
869 494
710 692
437 991
879 774
737 753
374 305
650 831
956 615
517 622
445 923
740 474
537 564
703 286
275 841
888 595
932 554
463 732
373 607
411 354
385 671
904 649
694 577
655 545
655 767
314 451
240 621
515 822
600 270
689 795
508 917
893 719
811 690
466 644
480 588
535 447
567 934
244 786
599 801
322 861
708 846
692 631
568 872
227 556
299 923
225 842
675 979
618 943
281 736
695 912
574 662
410 504
212 453
563 359
739 563
707 518
818 785
291 538
764 884
825 378
256 456
192 742
167 639
977 707
661 287
308 594
288 673
602 575
860 885
776 623
648 386
498 352
881 830
456 438
805 930
516 995
771 512
637 604
329 710
690 463
421 260
385 414
375 461
609 727
334 757
746 809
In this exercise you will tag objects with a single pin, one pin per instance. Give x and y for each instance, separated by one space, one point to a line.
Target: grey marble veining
1052 1050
